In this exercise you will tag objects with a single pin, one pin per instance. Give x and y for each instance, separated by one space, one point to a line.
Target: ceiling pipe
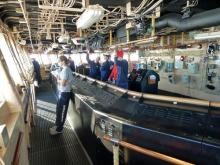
152 7
26 19
197 21
60 8
9 2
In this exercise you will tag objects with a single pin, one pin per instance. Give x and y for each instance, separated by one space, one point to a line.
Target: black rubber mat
45 149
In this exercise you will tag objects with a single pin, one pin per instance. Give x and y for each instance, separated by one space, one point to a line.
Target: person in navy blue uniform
150 81
122 70
37 71
71 64
94 70
106 67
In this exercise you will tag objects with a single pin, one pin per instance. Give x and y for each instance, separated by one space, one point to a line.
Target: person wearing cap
122 70
106 67
94 70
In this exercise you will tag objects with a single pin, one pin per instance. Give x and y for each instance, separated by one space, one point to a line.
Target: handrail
147 152
175 100
17 149
26 105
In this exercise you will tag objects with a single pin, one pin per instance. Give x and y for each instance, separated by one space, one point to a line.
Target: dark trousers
61 109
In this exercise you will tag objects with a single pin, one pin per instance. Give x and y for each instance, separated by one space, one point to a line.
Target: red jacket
114 73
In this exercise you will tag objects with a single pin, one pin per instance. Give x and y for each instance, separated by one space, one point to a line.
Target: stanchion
115 154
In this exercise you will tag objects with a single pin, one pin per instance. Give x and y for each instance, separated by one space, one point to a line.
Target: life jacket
114 73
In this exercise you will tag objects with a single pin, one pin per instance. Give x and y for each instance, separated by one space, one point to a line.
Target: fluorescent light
205 36
79 41
90 16
18 10
97 51
64 38
22 21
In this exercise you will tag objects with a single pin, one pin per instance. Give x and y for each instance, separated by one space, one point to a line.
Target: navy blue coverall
94 70
105 70
72 65
150 81
122 67
37 71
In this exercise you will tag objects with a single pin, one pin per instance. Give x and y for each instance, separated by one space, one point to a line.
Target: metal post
128 35
80 32
174 39
153 26
126 156
115 154
128 8
110 37
168 40
162 41
182 37
33 100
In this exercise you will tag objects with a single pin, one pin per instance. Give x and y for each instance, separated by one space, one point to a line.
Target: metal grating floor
62 149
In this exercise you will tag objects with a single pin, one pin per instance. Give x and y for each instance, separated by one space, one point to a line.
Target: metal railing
146 151
172 99
18 149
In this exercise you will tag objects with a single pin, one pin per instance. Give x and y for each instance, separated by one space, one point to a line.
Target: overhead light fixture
55 45
79 41
48 37
90 16
207 36
50 49
22 42
18 10
97 51
64 38
22 21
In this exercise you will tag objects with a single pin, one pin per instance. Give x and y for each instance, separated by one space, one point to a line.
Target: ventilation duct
198 21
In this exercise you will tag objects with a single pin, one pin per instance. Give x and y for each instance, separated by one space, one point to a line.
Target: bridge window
1 96
9 57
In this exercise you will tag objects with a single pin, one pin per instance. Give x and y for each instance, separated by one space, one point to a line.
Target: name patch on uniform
152 79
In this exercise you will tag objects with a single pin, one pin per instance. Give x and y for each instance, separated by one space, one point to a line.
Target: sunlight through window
9 59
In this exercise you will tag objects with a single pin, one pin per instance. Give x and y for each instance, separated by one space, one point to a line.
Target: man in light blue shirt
64 81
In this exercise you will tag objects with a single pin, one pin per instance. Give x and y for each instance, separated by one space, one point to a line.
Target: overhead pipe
151 39
197 21
156 4
9 2
60 8
26 19
8 12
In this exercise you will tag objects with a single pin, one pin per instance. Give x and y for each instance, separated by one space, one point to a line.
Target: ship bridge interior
114 82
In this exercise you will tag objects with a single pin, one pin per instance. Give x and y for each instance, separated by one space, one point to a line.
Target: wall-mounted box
169 67
172 79
193 68
185 79
179 64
